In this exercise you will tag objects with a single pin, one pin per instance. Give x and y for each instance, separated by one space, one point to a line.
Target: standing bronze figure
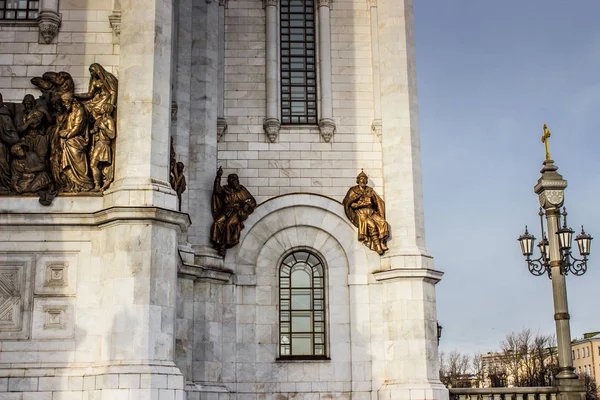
176 177
366 210
231 205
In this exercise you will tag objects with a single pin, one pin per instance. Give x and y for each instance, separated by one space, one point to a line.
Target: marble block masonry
118 292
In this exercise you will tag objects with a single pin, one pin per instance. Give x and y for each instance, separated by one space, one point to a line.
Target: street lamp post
557 261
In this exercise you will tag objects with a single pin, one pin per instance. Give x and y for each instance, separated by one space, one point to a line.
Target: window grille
302 321
298 62
19 10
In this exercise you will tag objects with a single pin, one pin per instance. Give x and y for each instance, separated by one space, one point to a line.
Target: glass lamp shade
526 241
565 237
544 248
584 241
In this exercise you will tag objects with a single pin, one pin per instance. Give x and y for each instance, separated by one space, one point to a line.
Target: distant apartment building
586 355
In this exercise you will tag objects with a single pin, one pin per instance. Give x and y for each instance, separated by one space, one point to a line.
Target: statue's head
67 100
362 179
28 102
94 70
107 108
233 181
180 166
18 150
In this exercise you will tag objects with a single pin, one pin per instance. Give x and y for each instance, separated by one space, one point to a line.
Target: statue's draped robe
8 137
368 215
74 143
230 208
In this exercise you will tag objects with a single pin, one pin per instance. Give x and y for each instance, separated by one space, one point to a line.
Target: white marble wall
301 161
85 37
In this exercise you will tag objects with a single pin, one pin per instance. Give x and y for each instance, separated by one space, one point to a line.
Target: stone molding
323 3
327 129
372 3
297 214
115 24
408 273
271 127
221 128
16 294
48 21
98 219
223 3
270 3
202 263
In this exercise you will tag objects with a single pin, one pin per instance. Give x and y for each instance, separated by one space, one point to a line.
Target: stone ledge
97 219
395 274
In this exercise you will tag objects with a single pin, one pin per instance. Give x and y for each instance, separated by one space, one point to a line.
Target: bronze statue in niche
231 206
176 177
61 142
366 210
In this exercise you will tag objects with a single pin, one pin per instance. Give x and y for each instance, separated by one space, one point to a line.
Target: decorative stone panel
53 318
15 295
56 273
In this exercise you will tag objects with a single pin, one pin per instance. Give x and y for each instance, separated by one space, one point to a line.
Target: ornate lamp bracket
48 22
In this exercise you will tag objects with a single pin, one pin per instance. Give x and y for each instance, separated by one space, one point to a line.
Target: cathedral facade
205 199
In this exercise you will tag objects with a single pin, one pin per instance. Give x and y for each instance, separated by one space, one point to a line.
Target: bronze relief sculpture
62 142
231 206
366 210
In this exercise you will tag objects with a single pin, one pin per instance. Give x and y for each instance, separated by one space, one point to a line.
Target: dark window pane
297 38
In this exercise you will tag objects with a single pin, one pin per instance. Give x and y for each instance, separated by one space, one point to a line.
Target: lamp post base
569 388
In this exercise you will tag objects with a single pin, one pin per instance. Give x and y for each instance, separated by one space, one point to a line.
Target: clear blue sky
490 74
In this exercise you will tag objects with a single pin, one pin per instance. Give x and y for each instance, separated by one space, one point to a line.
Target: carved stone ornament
176 177
327 129
48 22
366 210
221 128
223 3
271 127
376 128
61 142
269 3
231 205
371 3
323 3
115 24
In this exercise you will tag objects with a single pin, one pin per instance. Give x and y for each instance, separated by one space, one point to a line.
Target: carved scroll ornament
61 142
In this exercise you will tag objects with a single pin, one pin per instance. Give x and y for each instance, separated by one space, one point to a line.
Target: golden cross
545 138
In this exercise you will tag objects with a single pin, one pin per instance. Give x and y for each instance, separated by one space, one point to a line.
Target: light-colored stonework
122 297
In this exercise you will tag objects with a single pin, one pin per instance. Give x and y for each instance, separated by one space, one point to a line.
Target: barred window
298 62
17 10
302 306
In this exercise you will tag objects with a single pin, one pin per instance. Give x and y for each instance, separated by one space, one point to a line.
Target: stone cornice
96 219
408 273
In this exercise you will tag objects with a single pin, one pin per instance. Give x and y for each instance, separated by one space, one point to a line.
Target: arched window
302 306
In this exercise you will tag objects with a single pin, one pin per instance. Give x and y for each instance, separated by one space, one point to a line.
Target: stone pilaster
271 124
203 117
406 364
144 107
326 123
400 137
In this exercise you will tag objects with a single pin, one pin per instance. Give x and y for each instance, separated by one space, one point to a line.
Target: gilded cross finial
545 138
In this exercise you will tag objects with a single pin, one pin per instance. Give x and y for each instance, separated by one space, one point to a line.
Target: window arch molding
303 299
